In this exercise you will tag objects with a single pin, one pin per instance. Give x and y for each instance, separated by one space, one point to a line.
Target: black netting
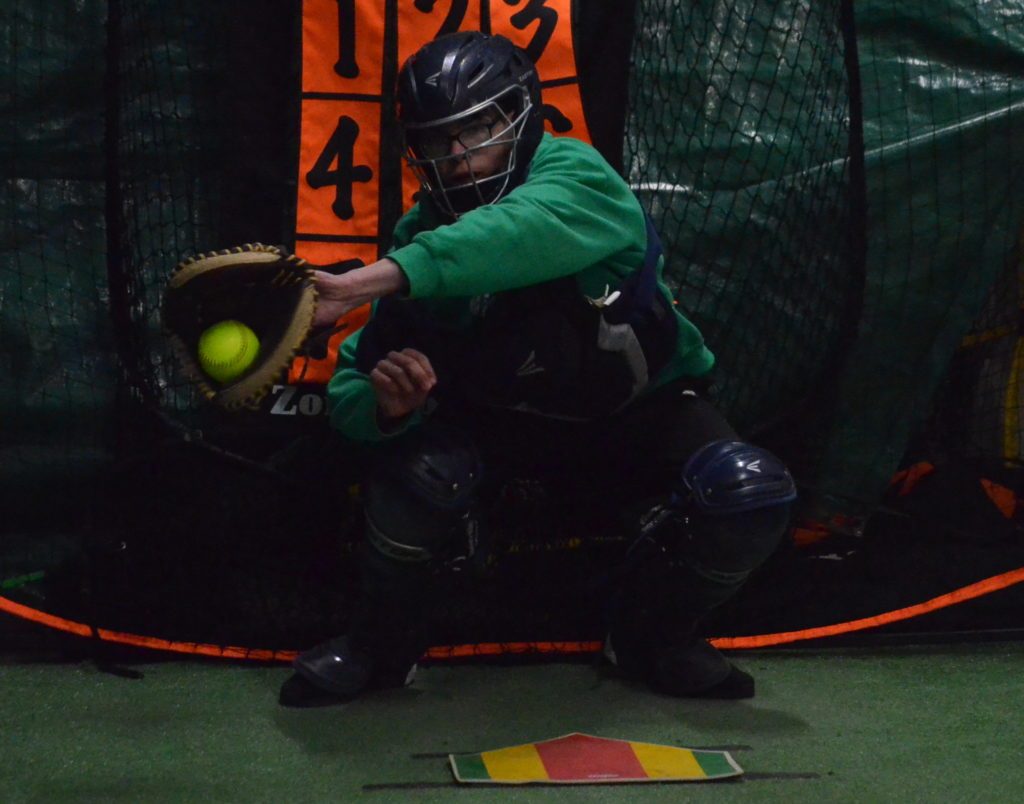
836 189
739 141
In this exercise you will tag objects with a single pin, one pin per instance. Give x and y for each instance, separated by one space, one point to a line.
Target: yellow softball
227 349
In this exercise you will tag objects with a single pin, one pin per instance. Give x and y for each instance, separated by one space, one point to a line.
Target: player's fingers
416 366
390 400
382 383
422 359
397 377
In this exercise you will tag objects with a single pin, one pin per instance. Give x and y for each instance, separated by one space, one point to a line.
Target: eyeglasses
437 143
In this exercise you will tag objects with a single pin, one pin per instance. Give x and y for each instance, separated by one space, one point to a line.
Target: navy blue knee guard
419 492
730 477
738 510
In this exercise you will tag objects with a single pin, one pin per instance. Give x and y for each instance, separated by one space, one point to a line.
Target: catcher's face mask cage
470 159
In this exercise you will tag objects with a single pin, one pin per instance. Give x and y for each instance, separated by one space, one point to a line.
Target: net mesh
737 139
836 193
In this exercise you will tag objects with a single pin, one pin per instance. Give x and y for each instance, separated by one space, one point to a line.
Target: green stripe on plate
715 763
470 768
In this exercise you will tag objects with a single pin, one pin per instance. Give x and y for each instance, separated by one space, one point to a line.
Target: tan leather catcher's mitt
261 286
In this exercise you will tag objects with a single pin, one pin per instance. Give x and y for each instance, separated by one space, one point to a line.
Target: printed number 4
339 151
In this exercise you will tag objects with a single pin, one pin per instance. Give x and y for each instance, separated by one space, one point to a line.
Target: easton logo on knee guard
728 477
442 467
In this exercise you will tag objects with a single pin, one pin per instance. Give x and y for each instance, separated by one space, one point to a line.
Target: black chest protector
545 349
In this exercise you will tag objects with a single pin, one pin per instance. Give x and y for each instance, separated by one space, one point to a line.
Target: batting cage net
836 188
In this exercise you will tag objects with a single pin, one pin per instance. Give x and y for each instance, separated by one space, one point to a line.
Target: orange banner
351 53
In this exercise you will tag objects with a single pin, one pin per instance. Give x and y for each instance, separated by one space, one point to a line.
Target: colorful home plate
583 759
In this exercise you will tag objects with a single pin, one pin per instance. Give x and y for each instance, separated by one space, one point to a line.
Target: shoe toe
300 693
698 670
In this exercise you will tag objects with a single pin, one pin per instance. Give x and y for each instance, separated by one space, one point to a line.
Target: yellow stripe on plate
662 761
520 763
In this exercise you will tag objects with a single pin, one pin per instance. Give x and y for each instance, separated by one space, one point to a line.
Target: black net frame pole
857 234
131 354
820 406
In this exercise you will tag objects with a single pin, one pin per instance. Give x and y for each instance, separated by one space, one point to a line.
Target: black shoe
697 670
692 669
337 671
298 693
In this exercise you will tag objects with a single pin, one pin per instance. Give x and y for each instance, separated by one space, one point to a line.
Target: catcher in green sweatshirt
521 328
573 217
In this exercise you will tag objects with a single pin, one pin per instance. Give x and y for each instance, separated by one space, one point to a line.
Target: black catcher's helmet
481 91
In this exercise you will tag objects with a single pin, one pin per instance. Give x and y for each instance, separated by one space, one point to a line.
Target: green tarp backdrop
837 185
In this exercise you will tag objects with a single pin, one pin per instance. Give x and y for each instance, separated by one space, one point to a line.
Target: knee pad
738 507
441 466
731 477
734 508
420 493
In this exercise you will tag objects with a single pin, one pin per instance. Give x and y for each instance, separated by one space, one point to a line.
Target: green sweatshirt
574 215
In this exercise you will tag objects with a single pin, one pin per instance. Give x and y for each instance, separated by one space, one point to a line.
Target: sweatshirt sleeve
573 211
351 402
